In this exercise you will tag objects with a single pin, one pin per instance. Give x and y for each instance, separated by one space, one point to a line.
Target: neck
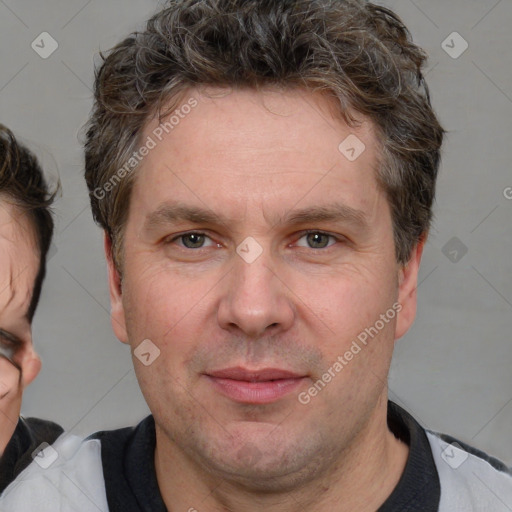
360 479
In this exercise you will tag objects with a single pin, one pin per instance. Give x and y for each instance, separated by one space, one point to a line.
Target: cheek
168 311
154 301
158 319
353 301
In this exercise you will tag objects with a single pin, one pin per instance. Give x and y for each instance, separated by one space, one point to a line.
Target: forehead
267 149
19 260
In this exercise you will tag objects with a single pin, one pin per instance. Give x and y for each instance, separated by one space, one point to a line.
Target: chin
268 467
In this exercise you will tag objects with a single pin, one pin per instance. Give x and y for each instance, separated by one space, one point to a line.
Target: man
264 173
26 228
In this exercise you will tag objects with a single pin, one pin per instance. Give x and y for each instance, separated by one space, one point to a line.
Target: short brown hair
22 182
357 52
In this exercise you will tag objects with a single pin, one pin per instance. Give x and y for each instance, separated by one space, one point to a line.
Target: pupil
315 238
195 240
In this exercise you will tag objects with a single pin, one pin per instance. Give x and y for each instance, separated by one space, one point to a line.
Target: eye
7 339
317 240
9 344
193 240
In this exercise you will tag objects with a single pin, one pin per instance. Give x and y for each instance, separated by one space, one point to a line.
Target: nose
255 299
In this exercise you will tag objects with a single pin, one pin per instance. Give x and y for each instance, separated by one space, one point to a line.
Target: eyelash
302 235
9 342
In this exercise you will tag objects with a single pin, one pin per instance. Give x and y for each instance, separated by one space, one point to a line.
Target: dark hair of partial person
355 52
22 182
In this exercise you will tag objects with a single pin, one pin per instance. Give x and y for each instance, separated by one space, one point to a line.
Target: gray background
453 370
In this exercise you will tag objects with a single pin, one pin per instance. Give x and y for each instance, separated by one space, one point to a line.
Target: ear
117 316
407 290
31 366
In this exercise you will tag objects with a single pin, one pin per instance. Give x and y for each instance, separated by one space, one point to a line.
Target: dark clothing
29 434
114 471
130 480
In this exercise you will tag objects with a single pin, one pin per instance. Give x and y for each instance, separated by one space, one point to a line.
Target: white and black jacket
29 435
114 471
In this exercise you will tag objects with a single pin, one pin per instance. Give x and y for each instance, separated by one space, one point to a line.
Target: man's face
222 319
19 266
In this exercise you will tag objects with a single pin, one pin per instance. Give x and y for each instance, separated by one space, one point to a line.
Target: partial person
264 173
26 229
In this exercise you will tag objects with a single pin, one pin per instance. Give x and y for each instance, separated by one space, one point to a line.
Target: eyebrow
337 212
172 212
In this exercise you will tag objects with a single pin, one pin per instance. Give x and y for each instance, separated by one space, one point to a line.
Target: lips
262 386
265 374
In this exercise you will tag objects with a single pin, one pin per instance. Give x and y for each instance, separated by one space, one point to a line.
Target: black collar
419 488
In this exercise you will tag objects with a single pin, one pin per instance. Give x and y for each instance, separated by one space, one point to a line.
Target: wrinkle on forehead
15 224
7 292
15 289
19 261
